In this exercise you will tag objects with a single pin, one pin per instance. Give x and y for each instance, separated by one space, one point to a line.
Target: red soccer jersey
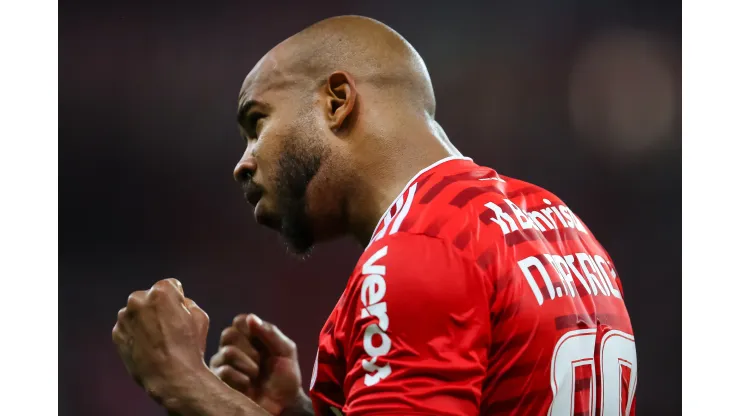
478 294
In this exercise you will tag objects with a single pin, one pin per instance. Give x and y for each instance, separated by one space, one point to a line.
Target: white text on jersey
549 218
594 275
371 296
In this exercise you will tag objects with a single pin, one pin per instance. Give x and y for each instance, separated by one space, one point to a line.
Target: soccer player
477 293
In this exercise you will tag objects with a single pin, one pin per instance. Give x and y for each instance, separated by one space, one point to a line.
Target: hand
258 360
161 337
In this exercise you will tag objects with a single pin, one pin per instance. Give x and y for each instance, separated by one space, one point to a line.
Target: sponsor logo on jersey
375 341
550 218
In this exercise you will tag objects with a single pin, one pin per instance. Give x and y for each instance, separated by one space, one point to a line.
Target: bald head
372 53
336 118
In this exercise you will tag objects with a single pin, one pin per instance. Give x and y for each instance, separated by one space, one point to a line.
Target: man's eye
253 123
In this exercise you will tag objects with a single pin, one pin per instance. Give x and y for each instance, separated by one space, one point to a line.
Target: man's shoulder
468 208
403 247
405 266
457 208
452 204
408 253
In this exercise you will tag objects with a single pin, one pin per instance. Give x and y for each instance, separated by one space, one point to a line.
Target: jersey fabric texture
478 294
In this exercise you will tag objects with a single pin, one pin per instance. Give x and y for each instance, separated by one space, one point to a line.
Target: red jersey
478 294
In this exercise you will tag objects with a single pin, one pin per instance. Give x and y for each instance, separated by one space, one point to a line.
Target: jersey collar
414 178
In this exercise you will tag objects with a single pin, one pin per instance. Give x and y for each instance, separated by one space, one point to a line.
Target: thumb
273 339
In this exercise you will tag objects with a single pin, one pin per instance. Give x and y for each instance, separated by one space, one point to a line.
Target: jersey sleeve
418 330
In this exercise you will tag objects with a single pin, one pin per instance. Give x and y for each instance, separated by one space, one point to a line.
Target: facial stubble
298 164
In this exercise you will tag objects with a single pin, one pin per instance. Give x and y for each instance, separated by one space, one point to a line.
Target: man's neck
381 181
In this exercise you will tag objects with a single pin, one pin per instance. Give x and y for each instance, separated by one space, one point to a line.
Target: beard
298 164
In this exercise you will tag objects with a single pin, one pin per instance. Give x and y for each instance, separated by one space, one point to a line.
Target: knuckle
172 283
230 353
226 372
154 392
239 318
203 315
292 345
156 292
268 327
220 372
162 284
133 301
122 314
117 336
213 363
229 335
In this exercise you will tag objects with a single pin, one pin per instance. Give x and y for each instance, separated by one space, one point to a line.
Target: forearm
209 396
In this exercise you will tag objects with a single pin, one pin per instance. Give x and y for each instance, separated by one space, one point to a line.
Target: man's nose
245 169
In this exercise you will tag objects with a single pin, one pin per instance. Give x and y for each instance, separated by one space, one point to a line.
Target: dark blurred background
581 97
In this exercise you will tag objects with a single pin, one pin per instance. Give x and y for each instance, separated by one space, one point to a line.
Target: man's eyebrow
244 109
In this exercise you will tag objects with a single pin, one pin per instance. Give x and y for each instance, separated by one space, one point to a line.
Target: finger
237 359
240 323
164 292
233 378
273 339
198 313
135 301
122 314
117 335
169 286
176 283
232 336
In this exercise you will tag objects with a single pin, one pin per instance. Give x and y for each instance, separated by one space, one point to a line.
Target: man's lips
253 193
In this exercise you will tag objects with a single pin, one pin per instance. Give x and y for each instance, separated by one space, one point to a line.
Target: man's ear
341 96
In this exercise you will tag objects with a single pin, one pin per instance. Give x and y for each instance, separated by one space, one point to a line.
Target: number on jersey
574 354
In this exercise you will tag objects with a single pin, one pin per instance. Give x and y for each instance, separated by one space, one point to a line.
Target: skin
336 120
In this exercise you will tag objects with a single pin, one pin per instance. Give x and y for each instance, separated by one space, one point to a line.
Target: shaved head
325 114
368 50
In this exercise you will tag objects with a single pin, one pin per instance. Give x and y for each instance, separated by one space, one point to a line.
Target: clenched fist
161 337
258 360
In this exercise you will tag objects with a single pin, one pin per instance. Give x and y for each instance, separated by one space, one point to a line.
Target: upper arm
418 330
